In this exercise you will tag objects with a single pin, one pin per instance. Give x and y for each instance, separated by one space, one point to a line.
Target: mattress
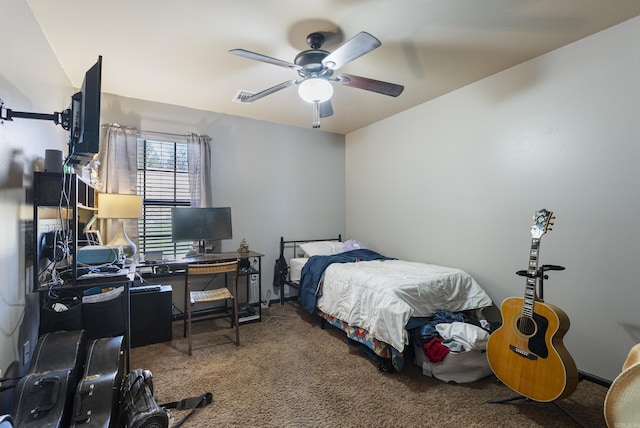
381 296
295 268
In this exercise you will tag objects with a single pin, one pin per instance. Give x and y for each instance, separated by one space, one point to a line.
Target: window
163 182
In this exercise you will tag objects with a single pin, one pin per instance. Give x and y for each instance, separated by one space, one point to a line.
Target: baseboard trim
593 378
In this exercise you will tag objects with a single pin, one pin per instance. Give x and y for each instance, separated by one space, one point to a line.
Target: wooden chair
222 294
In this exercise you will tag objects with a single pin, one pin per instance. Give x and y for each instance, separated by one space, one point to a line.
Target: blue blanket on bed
312 271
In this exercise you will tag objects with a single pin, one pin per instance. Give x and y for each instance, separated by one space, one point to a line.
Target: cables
54 244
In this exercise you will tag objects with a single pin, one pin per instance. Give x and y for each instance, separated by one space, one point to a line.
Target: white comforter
381 296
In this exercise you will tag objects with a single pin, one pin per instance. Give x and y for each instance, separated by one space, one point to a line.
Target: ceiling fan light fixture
315 90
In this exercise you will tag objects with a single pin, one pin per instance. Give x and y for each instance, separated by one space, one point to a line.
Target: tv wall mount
59 118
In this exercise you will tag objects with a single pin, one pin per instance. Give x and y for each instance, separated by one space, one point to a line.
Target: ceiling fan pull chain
316 115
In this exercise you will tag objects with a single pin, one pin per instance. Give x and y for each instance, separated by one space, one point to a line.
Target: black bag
98 392
138 407
280 272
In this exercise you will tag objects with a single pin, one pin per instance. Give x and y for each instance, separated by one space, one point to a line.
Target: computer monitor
201 224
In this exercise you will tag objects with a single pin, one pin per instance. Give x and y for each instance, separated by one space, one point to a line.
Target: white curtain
199 164
116 171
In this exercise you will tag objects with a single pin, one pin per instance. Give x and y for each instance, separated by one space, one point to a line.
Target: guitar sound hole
526 326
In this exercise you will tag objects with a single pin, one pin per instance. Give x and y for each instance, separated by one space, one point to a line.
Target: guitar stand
541 276
267 304
555 403
274 318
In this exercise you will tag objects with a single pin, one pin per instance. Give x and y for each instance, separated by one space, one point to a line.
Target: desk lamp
120 207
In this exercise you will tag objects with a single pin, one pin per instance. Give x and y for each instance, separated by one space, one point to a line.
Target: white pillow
322 248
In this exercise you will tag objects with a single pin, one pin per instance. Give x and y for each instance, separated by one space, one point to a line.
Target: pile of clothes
451 346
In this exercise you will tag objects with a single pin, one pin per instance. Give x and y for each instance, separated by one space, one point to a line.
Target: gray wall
455 182
31 80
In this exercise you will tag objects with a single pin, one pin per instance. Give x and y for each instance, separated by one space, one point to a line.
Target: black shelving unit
67 194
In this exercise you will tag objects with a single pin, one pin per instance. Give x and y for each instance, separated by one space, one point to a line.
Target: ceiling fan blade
259 57
384 88
325 109
353 48
269 91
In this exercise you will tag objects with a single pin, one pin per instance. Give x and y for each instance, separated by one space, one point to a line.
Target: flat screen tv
81 119
84 131
200 224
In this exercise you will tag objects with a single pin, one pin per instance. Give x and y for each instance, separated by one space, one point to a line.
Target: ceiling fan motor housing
311 63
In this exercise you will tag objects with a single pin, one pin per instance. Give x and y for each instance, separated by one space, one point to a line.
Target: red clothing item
435 350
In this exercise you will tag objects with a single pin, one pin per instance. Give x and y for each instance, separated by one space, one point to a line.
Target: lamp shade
315 90
119 206
116 205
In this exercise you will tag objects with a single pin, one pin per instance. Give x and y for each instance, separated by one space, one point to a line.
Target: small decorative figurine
244 247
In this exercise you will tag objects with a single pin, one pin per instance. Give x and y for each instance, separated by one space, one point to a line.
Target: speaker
53 161
151 314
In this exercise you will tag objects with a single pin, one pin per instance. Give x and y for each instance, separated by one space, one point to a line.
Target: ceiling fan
315 67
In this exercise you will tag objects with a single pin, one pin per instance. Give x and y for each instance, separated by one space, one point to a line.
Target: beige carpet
294 374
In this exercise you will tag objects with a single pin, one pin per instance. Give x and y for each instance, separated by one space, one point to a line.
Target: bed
371 297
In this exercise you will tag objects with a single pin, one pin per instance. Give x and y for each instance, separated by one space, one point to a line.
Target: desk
249 304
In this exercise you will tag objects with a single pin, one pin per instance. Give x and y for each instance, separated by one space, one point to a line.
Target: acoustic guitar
526 352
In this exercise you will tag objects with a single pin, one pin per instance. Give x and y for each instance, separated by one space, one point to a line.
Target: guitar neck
532 273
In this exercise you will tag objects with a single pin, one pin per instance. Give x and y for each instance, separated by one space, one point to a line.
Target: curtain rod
170 134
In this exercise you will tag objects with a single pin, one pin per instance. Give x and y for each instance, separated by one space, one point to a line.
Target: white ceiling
176 52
